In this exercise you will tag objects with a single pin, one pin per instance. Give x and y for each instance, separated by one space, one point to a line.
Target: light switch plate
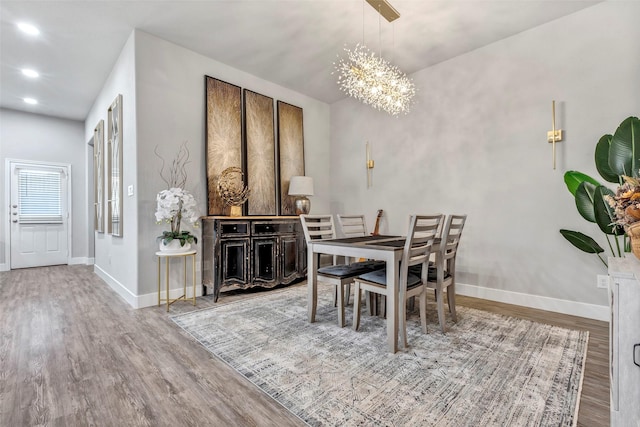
603 281
130 190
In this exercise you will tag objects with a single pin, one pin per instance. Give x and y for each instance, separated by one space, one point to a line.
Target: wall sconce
554 135
370 164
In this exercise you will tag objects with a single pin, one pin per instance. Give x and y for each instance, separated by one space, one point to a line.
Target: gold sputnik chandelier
371 79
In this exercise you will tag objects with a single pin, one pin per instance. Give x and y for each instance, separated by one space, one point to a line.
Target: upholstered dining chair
442 275
356 226
416 251
319 227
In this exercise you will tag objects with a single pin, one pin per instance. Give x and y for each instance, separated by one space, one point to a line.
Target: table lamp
301 187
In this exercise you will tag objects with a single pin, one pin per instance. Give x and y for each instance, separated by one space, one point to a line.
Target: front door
39 214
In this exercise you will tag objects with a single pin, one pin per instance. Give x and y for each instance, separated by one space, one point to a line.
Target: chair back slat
451 236
352 225
318 227
421 235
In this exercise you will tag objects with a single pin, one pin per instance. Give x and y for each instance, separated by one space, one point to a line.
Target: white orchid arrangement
176 203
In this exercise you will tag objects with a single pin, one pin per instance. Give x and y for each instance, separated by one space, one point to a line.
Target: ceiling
293 43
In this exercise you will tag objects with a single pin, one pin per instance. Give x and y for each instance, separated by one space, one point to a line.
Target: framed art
98 177
290 152
260 154
223 136
114 205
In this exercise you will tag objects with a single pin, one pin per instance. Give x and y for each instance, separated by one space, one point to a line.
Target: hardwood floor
73 353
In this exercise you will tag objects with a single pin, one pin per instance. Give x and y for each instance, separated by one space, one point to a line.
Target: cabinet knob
15 220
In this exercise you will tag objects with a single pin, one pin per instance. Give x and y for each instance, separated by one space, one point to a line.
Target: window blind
39 195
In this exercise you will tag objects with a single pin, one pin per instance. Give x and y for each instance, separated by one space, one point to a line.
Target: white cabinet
624 341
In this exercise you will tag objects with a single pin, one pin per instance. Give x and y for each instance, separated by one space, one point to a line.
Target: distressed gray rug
488 370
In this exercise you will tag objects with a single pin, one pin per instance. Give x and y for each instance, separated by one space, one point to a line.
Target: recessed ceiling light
30 73
28 28
30 101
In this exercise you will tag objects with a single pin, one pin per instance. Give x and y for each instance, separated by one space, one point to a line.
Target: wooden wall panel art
291 151
223 136
260 154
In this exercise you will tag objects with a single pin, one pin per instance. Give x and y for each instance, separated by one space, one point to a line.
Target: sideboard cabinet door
235 261
288 258
624 330
264 266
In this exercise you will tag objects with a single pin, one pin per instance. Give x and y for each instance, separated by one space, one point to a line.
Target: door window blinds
39 196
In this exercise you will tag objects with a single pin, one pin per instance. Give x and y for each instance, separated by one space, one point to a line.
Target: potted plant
176 204
616 156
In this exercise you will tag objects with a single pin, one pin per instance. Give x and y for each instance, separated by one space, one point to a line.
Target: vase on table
174 247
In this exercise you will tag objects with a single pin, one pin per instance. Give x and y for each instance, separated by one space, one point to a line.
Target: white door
39 214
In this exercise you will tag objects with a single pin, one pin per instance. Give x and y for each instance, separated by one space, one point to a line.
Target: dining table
383 248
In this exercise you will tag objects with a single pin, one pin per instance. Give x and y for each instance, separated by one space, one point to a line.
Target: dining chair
416 251
356 226
321 227
442 275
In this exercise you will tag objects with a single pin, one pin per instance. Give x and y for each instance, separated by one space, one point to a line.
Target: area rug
488 370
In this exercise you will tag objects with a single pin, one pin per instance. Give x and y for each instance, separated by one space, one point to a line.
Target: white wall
475 143
116 258
34 137
170 94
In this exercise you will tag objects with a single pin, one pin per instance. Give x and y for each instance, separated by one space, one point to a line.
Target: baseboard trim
4 267
118 287
573 308
78 260
149 300
91 261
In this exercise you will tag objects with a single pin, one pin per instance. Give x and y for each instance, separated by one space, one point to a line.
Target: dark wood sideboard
248 251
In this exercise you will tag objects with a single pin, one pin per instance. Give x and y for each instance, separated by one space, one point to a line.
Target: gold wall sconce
370 165
554 135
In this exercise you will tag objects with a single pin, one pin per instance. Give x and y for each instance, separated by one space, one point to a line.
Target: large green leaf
582 241
584 200
604 213
602 160
574 178
624 151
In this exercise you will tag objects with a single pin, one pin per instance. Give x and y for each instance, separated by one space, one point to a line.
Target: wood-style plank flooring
73 353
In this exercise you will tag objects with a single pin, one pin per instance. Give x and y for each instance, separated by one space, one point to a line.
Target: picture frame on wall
260 148
290 151
98 176
223 136
114 191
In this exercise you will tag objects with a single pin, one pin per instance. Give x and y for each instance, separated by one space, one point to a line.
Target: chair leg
412 303
340 293
356 306
423 311
383 306
368 298
347 293
402 326
335 296
440 305
451 299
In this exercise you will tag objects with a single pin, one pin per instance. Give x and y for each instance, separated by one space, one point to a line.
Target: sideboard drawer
262 228
234 229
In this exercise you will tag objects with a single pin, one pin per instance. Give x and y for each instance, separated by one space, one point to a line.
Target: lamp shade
301 186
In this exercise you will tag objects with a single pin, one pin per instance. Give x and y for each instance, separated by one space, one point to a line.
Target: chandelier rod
379 32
